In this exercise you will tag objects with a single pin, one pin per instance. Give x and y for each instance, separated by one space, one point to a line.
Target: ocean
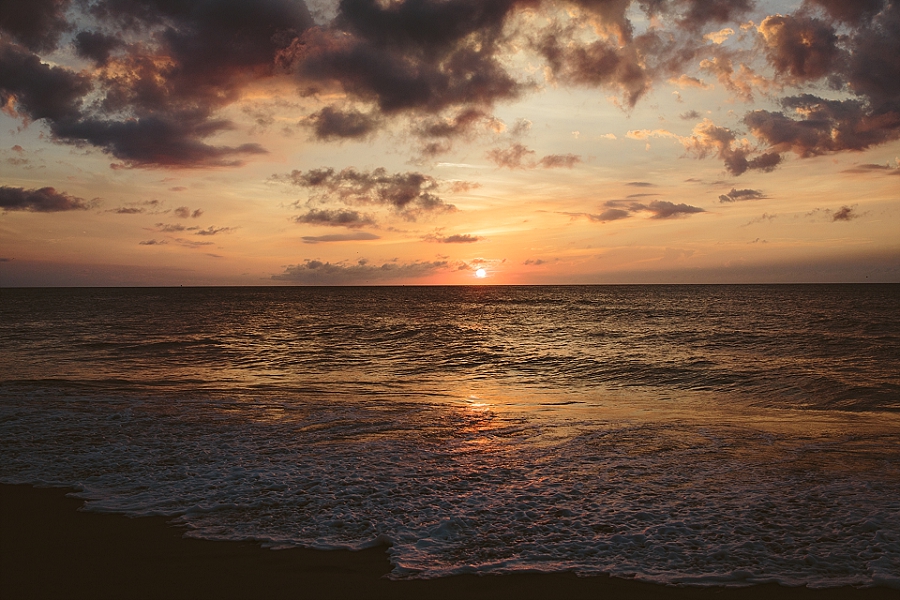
704 435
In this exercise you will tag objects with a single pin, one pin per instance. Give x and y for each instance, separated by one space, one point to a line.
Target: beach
50 549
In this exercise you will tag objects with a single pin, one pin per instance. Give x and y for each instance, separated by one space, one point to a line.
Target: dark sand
49 549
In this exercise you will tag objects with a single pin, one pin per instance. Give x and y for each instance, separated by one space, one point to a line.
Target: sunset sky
277 142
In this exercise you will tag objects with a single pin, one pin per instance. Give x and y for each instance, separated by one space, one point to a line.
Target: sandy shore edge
50 549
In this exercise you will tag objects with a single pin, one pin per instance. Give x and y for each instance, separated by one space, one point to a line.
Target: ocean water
683 434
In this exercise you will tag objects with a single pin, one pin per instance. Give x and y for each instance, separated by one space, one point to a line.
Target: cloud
742 84
153 243
824 126
168 140
845 214
36 24
213 230
409 56
184 212
849 12
662 209
800 48
659 209
438 133
191 243
37 90
698 13
719 37
516 156
622 209
153 102
45 199
708 138
96 46
611 214
873 168
164 74
464 238
598 64
316 272
331 123
336 218
519 156
171 227
736 195
554 161
356 236
407 193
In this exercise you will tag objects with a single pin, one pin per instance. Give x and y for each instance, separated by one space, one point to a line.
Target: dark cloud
736 195
356 236
722 142
865 61
127 210
600 64
173 140
96 46
823 126
156 99
849 11
35 24
691 115
45 199
845 214
37 90
662 209
316 272
153 243
536 261
640 184
611 214
874 66
801 48
406 192
331 123
464 238
418 55
438 133
456 126
336 218
697 13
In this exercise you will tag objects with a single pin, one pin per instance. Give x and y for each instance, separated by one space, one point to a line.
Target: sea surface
699 435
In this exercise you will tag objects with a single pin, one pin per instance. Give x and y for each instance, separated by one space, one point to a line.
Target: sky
433 142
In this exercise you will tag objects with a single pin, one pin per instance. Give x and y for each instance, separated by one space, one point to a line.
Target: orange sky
202 142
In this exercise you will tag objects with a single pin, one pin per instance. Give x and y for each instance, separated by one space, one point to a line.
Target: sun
480 273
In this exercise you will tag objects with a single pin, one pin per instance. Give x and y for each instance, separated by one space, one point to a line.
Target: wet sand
49 549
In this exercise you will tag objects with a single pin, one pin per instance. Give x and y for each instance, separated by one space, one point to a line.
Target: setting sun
480 273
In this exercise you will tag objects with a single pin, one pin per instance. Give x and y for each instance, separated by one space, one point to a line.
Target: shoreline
50 549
